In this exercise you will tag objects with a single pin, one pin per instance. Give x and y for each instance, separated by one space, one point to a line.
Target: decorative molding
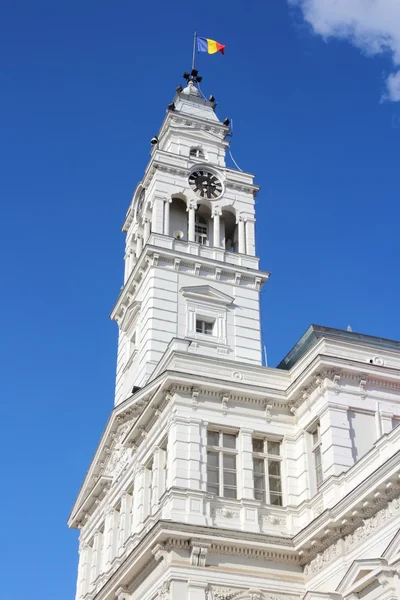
224 401
255 553
345 544
223 593
195 397
164 591
198 554
225 513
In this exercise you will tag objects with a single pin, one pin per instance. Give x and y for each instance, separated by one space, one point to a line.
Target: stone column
191 221
335 440
83 569
157 215
245 457
250 237
138 501
166 216
179 455
139 241
197 590
96 555
124 528
242 241
217 231
194 453
110 535
146 230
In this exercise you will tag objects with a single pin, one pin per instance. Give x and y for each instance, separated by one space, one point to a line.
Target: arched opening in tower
229 231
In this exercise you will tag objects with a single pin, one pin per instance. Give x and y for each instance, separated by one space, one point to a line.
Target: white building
217 478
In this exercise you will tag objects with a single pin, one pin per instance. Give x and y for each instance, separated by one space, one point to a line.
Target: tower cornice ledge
154 252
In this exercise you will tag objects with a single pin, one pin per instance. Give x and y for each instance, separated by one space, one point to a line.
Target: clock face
205 184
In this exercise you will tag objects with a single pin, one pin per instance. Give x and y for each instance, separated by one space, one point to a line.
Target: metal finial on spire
193 76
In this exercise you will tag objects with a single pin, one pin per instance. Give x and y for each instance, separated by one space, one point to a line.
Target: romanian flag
210 46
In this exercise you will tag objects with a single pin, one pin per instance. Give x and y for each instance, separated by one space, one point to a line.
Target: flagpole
194 49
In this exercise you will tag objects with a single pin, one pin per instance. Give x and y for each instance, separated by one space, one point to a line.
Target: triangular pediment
392 552
206 293
359 570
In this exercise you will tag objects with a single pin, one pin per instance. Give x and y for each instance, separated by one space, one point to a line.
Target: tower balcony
202 251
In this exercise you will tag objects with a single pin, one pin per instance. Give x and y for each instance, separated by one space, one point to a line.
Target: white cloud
371 25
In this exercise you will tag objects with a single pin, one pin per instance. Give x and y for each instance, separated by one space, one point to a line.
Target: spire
189 99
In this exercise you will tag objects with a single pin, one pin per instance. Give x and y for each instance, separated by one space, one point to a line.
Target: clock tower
191 275
217 478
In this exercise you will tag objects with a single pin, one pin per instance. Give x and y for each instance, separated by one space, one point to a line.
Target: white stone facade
217 478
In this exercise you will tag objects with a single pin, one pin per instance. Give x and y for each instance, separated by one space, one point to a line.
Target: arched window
201 230
196 153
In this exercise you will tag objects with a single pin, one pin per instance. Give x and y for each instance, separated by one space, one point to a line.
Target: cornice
363 502
153 255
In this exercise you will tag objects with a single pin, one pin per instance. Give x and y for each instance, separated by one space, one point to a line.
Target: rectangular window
221 464
317 454
204 327
267 471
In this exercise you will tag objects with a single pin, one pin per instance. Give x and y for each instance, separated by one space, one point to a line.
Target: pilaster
138 501
110 537
250 237
125 521
245 457
335 440
157 215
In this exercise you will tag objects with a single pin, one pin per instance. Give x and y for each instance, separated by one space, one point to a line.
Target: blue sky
84 86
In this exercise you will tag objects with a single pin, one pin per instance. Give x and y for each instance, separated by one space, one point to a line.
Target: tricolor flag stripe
210 46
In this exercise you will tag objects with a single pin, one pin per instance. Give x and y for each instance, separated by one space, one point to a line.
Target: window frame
204 321
316 449
197 153
201 230
267 457
221 469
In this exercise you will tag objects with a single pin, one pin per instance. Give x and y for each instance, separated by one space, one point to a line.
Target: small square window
204 327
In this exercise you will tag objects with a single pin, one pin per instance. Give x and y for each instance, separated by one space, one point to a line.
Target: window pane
315 436
229 441
213 489
212 476
274 467
229 461
212 438
259 495
258 445
212 459
229 478
274 448
229 492
317 456
276 499
258 465
259 482
275 484
319 474
208 328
